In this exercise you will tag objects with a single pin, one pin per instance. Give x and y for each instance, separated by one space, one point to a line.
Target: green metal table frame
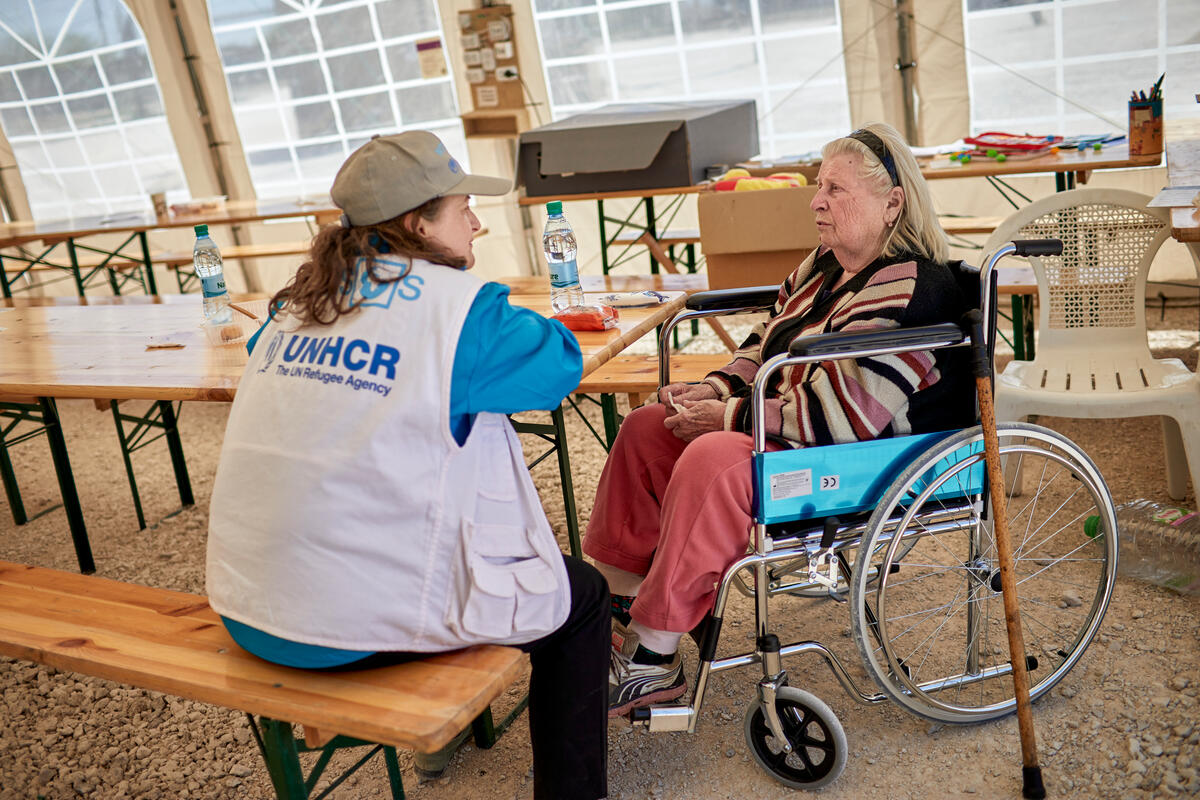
555 434
118 279
654 222
162 416
45 415
281 749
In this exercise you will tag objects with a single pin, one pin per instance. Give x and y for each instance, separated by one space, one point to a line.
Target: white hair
917 229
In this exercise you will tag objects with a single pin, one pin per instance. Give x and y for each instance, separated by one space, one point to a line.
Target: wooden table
1183 169
154 349
1068 166
133 228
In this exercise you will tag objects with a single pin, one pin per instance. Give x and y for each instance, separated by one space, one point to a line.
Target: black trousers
568 694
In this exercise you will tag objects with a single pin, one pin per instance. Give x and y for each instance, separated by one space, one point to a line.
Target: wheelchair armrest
732 300
922 338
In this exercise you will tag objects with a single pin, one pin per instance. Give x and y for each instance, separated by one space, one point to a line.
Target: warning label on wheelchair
791 484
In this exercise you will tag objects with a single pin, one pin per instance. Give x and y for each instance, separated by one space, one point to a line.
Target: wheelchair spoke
940 647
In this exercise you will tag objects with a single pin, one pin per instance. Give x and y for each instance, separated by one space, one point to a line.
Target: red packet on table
588 317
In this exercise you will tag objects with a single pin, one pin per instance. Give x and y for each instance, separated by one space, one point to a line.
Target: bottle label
564 275
214 285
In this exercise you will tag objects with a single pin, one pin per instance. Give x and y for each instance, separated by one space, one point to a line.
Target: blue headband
877 147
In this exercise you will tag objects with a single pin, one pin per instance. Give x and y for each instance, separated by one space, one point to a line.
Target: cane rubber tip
1033 789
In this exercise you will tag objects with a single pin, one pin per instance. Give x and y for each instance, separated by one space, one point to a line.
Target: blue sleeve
254 339
510 359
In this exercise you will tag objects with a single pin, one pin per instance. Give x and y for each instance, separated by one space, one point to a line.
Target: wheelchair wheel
932 631
818 742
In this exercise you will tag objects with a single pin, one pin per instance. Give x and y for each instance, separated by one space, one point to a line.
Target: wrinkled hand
679 392
697 417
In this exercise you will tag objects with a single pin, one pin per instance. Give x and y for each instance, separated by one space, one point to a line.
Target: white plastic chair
1093 360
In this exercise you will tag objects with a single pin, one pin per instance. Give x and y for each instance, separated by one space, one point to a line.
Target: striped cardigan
854 400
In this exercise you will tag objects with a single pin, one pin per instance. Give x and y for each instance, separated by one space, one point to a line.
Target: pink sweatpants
677 512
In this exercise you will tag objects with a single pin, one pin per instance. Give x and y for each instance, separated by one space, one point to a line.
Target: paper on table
939 149
1176 197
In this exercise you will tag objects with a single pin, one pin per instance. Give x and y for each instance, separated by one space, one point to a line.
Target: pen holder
1145 127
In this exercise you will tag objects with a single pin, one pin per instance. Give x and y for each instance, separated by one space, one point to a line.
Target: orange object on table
588 317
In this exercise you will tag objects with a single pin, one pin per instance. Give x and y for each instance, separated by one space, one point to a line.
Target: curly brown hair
320 291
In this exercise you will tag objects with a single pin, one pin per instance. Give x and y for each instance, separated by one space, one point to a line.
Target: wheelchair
899 529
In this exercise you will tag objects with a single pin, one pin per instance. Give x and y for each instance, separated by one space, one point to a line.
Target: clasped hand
692 409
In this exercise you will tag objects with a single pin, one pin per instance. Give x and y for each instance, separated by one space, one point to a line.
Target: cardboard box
755 238
626 147
759 170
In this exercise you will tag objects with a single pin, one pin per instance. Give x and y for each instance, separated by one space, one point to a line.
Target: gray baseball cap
390 175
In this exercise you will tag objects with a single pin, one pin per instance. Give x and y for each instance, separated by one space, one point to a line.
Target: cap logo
451 163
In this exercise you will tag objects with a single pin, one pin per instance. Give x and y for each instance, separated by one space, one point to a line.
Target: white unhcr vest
344 514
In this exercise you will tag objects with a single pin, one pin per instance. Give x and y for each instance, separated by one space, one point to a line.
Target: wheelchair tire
932 632
818 741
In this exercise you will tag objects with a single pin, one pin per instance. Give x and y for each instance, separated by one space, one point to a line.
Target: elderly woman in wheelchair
837 377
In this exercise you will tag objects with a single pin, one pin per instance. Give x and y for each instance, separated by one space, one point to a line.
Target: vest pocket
502 585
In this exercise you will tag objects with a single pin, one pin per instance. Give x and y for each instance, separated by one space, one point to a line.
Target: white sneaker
632 685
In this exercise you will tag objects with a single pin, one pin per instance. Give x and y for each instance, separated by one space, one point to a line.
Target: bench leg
281 750
395 777
66 485
11 490
283 759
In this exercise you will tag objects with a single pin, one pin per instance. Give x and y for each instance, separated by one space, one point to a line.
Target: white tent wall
871 53
215 162
943 102
210 151
870 36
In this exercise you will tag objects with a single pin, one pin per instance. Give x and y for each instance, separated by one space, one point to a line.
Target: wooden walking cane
1031 773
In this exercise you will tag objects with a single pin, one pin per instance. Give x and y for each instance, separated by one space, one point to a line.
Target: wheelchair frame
935 510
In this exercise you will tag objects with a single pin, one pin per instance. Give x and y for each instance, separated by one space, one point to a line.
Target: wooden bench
173 642
637 377
958 226
668 238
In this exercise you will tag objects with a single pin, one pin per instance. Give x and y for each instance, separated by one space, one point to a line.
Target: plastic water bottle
1158 543
559 244
209 269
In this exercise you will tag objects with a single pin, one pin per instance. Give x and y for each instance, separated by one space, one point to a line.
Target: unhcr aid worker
372 502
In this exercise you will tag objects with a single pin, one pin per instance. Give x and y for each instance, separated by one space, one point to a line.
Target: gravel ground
1123 724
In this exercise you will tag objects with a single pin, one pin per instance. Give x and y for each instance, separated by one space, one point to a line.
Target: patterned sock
644 656
620 603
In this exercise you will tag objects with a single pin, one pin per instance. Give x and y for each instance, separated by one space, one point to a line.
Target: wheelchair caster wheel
818 743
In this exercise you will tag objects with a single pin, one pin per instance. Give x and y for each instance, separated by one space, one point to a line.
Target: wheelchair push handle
1037 247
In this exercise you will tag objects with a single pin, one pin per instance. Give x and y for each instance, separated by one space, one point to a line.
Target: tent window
310 81
1068 66
780 53
81 108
